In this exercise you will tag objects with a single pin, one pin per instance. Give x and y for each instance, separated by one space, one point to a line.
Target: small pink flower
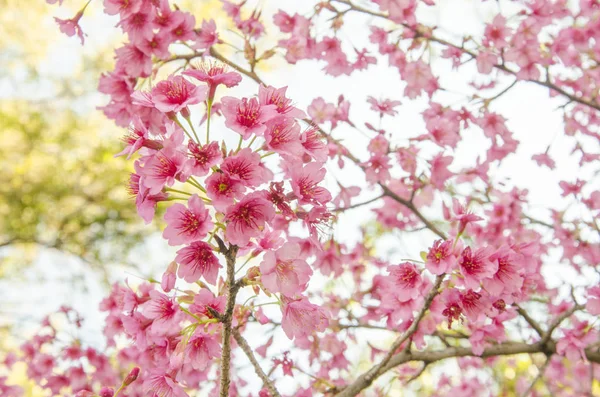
70 27
440 257
207 36
214 75
122 7
133 61
159 384
138 137
163 312
285 271
246 116
313 144
593 302
205 299
187 224
283 136
248 218
162 169
305 184
462 215
201 349
168 279
301 318
473 305
439 171
384 106
276 96
176 93
508 278
572 345
476 266
144 201
202 158
197 260
405 281
246 167
222 190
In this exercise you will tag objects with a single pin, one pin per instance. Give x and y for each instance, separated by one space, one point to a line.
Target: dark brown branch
233 288
261 374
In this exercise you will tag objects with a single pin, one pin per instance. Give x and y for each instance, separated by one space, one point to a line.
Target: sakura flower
440 257
405 281
301 318
187 224
163 312
544 159
572 345
201 349
197 260
138 137
383 106
223 189
122 7
176 93
207 36
246 116
248 218
319 111
508 278
276 97
462 215
213 75
159 384
204 301
593 302
305 184
162 169
183 29
202 158
139 25
283 136
144 201
245 166
313 145
70 27
277 196
168 279
473 305
133 61
476 266
285 271
439 171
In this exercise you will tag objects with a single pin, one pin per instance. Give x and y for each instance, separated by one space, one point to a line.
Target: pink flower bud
168 279
133 375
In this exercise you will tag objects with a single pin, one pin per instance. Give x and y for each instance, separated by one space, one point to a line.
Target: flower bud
133 375
106 392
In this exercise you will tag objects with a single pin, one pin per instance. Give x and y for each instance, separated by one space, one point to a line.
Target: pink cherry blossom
248 218
187 224
197 260
285 271
305 182
301 318
223 189
476 266
176 93
245 166
203 158
246 116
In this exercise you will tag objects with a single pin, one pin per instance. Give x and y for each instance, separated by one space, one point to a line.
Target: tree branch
233 287
261 374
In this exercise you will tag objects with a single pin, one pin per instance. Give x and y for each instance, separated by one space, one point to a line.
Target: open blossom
70 27
204 300
138 137
301 318
159 384
276 96
508 278
162 169
572 345
384 106
440 257
305 184
144 201
207 36
133 61
405 281
463 216
248 218
439 171
285 270
202 158
246 116
176 93
313 144
201 349
283 136
213 75
476 266
163 312
187 224
245 166
223 189
197 260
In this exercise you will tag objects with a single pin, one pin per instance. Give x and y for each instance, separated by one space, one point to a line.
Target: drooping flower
187 224
138 137
213 74
285 270
70 27
246 116
197 260
207 35
405 281
301 318
247 218
462 215
163 311
176 93
162 169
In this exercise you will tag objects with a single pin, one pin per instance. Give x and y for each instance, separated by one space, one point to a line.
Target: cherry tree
262 297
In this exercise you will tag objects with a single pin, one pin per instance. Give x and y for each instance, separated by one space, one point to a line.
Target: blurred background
68 228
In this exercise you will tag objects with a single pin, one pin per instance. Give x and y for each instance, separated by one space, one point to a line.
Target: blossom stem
244 264
267 155
168 189
195 183
208 112
189 121
239 144
252 141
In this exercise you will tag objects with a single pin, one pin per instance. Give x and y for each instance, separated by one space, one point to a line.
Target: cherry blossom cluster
237 177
